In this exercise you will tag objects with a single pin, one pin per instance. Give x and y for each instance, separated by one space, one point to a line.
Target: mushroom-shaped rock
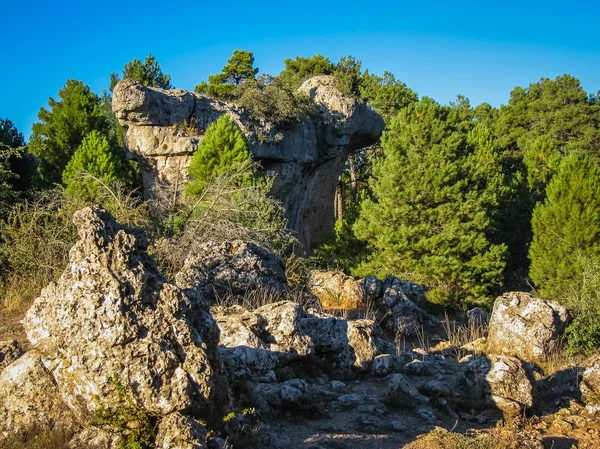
526 327
164 127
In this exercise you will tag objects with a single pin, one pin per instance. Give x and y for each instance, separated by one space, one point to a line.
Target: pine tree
222 148
566 227
239 68
435 195
61 129
96 158
148 73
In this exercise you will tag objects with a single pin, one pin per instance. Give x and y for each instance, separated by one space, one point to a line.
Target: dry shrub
37 236
227 209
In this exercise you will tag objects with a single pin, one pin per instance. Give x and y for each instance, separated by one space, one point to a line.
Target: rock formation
526 327
164 128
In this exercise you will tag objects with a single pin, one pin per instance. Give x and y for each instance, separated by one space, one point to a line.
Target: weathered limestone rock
335 290
526 327
231 267
165 127
30 399
10 351
177 431
501 380
285 329
113 315
590 385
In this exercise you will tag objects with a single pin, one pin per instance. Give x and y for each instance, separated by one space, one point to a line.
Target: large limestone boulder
526 327
164 128
113 315
287 331
30 399
217 269
590 385
498 380
335 290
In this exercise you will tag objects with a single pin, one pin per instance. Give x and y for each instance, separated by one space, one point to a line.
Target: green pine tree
222 148
239 68
94 157
435 195
566 227
148 73
61 129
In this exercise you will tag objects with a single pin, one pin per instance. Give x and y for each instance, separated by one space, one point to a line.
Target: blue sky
439 49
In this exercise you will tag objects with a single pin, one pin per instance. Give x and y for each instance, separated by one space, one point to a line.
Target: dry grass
460 336
48 439
442 439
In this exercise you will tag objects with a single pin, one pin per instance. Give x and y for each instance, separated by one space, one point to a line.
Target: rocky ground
114 354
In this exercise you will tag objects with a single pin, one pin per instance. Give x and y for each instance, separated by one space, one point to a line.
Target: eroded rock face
307 158
113 315
217 269
275 334
526 327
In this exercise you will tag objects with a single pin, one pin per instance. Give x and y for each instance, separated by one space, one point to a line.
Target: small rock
401 393
383 365
436 388
337 385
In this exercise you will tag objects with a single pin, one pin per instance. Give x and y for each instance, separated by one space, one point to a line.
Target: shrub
269 99
37 236
95 157
223 148
566 228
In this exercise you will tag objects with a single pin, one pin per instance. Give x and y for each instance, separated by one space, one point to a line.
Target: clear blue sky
439 49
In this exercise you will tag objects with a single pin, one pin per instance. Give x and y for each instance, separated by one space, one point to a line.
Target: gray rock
526 327
337 385
176 431
10 351
414 292
383 365
436 388
307 158
478 317
590 385
372 287
113 315
342 347
31 399
401 392
231 268
94 438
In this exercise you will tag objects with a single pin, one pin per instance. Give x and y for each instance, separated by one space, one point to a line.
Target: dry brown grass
48 439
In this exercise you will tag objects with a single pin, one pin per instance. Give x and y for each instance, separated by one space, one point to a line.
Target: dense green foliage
222 148
435 191
61 129
96 162
148 73
566 227
239 68
17 167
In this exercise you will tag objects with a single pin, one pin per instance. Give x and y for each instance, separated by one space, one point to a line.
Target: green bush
222 148
269 99
93 163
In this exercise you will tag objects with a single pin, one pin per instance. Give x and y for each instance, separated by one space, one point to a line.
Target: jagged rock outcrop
231 268
164 127
112 321
526 327
275 334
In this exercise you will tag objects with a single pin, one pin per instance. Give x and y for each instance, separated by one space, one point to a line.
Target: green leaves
433 207
239 67
222 148
148 73
62 128
566 227
95 162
